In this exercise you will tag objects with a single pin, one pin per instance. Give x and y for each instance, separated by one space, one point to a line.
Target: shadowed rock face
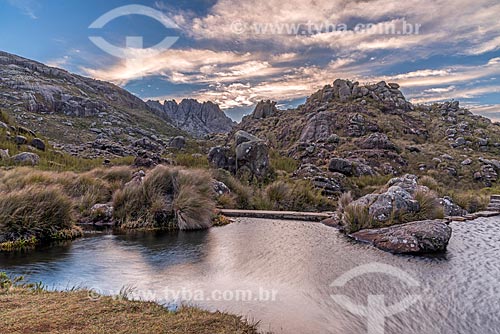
197 119
40 88
265 109
428 236
250 156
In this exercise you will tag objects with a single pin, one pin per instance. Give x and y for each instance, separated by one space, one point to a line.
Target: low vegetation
429 208
50 159
472 201
191 160
75 312
282 194
468 199
279 162
39 206
167 198
34 214
296 196
357 217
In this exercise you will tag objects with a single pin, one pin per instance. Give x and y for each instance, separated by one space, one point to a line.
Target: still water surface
459 292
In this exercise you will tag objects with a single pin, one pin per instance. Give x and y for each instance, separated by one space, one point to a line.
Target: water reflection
459 290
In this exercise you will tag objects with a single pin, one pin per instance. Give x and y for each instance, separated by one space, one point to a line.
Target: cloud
492 111
27 7
474 24
58 62
302 81
240 59
180 66
446 76
435 95
439 90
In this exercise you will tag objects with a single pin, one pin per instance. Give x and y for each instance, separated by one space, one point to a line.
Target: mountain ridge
90 117
197 118
74 111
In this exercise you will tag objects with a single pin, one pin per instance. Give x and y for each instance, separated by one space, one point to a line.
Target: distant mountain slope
71 109
198 119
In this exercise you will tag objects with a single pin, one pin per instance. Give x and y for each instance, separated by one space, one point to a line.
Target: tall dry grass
35 212
169 197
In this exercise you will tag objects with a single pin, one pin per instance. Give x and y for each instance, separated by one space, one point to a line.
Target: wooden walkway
282 215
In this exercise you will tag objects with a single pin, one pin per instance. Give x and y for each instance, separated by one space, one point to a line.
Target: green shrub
34 212
84 190
371 180
279 192
295 195
193 204
130 207
191 160
283 163
368 184
471 201
344 201
227 201
4 117
116 176
429 208
357 217
242 194
429 182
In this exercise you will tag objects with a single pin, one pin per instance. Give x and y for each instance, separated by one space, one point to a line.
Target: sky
237 52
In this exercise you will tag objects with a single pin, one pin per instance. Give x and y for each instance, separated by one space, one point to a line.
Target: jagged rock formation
197 119
73 111
250 156
265 109
372 129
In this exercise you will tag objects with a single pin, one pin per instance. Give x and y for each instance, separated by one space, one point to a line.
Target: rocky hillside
354 130
197 119
80 115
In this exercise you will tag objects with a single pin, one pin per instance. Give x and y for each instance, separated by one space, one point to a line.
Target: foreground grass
27 311
40 206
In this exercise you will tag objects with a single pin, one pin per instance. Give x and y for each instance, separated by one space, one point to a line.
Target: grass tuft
357 217
33 214
168 196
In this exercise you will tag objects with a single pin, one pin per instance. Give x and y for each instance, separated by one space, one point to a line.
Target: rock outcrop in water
421 237
398 198
197 119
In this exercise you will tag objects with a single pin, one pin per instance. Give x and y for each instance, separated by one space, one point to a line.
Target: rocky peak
387 94
265 109
196 118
